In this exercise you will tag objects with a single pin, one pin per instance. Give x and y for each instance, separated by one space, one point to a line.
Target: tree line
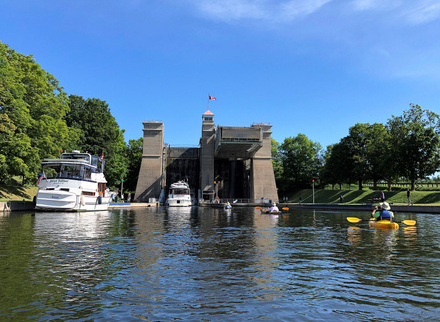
407 148
39 120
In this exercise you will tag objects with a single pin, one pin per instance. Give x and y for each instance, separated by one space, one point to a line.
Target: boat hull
178 203
383 224
65 201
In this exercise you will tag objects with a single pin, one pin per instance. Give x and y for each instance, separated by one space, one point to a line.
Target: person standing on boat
274 208
382 212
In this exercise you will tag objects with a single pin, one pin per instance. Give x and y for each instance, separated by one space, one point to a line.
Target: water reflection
211 264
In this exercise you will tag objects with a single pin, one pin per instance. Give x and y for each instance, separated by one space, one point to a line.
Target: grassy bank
16 192
363 196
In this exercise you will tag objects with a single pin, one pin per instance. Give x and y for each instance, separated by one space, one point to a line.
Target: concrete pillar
207 150
262 175
149 182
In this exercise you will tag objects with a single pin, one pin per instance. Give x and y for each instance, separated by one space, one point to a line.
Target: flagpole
208 101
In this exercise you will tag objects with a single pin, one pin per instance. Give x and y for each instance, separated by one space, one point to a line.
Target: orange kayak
385 224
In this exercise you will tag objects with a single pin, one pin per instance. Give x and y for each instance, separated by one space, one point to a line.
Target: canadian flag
212 98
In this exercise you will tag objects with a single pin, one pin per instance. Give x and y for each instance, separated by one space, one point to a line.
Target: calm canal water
203 264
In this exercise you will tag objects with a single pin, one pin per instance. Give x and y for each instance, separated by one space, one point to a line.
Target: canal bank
425 209
13 206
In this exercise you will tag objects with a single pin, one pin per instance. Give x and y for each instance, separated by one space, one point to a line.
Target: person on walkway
382 212
408 196
382 196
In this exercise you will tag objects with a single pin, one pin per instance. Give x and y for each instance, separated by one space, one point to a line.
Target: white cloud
363 5
412 11
268 10
423 12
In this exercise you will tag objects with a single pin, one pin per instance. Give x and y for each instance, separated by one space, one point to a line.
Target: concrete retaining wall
16 206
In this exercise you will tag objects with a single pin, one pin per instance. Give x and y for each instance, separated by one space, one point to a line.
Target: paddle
406 222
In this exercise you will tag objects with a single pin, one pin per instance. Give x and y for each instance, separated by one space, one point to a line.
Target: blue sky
315 67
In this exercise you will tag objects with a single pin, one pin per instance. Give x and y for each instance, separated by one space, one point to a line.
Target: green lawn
17 192
363 196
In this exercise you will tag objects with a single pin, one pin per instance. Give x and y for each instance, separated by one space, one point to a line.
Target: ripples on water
207 264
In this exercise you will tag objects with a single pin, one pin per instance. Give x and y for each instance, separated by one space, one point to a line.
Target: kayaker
274 208
382 212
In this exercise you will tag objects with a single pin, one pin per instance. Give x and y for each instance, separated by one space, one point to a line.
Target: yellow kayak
385 224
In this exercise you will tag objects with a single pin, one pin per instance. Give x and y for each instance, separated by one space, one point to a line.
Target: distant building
231 162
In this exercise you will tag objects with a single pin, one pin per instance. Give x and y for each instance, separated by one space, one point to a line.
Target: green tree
338 166
415 140
99 134
134 156
276 161
32 109
301 161
380 155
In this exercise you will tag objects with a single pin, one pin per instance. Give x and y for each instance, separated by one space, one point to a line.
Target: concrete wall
207 149
262 175
150 175
16 206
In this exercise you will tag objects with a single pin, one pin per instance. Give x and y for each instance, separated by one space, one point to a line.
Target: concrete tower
149 182
262 176
207 147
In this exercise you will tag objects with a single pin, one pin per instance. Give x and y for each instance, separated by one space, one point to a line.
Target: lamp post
313 190
122 189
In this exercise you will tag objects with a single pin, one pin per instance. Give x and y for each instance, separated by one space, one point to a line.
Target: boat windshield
67 171
180 191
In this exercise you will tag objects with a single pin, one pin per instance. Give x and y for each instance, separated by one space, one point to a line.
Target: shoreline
14 206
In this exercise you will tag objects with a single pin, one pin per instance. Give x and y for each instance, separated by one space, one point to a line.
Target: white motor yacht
179 195
75 182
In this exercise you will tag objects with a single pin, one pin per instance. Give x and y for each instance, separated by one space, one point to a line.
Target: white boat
75 182
179 195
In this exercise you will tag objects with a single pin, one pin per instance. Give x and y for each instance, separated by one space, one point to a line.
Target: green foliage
32 111
276 160
416 143
99 134
134 156
301 160
407 147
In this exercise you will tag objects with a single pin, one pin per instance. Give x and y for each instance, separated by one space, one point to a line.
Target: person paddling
382 212
274 208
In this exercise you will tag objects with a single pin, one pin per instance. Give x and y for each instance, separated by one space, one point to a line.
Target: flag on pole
212 98
102 156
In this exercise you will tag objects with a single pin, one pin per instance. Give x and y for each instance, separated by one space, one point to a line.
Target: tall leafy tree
134 156
301 161
380 155
416 143
32 109
276 161
338 167
356 143
99 134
